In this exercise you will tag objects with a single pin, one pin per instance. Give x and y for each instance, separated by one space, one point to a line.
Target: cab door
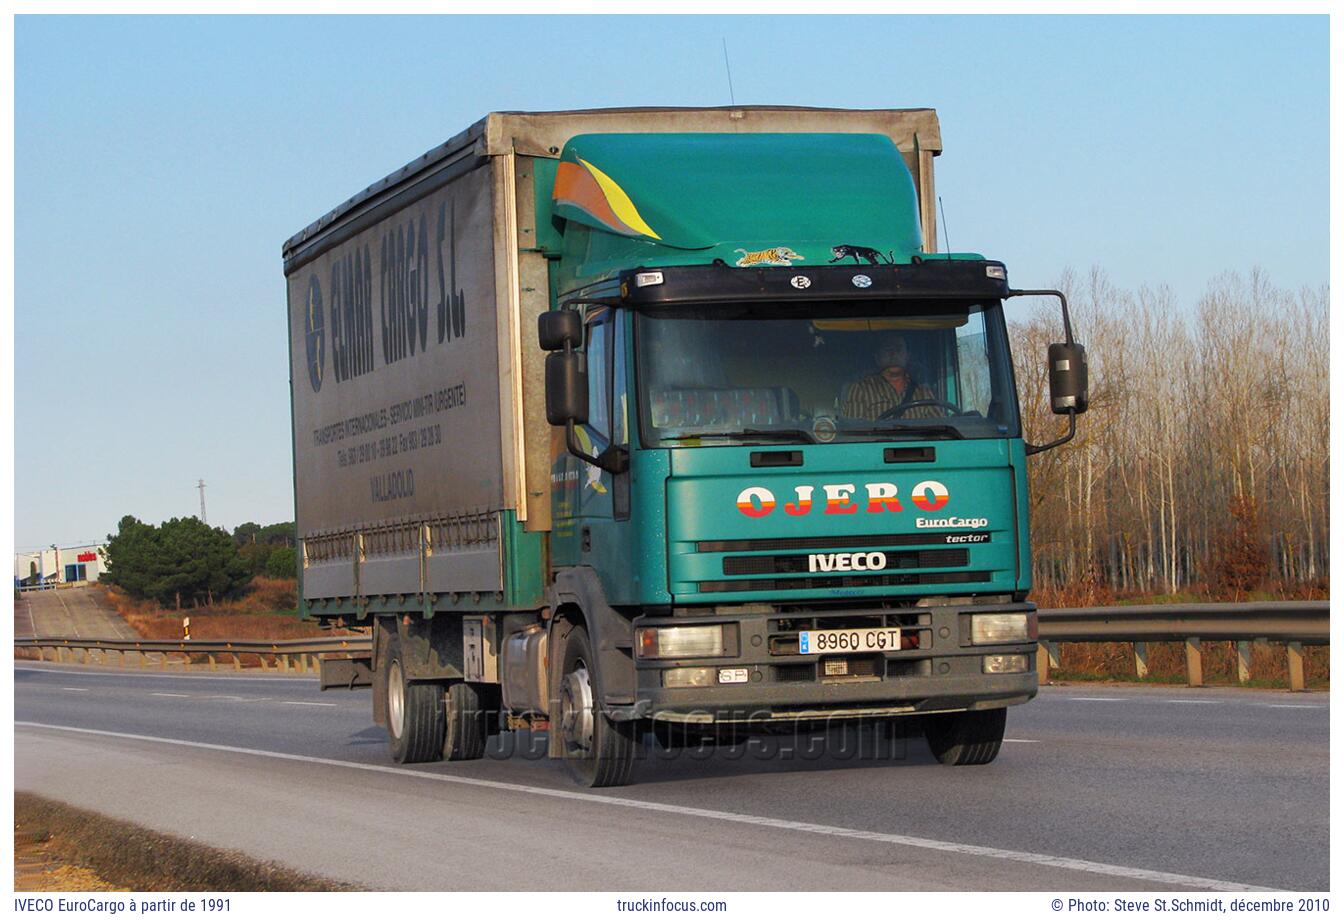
593 528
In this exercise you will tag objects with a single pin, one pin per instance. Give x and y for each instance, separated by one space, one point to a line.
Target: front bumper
942 673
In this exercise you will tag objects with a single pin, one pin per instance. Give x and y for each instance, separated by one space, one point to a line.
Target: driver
892 386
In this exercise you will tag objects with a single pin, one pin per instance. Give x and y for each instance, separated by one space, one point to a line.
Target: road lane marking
76 689
69 614
945 846
1198 702
1289 706
1099 699
174 694
304 703
1021 740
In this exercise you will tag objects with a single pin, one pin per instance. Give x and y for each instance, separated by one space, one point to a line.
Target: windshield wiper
950 431
778 434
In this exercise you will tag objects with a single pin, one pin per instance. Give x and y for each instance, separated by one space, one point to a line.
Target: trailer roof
544 134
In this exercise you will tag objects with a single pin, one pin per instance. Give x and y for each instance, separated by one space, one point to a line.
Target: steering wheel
898 411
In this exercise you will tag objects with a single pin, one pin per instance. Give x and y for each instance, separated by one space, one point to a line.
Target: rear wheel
465 723
966 738
415 719
596 750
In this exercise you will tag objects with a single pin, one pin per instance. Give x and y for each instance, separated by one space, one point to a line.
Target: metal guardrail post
1042 662
1194 662
1297 675
1053 649
1140 660
1243 662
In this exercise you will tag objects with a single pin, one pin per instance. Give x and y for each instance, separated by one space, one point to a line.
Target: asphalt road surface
1099 788
72 613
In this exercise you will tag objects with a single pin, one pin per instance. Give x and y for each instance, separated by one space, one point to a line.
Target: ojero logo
758 501
846 562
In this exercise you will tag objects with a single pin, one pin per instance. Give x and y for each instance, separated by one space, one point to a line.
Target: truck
665 425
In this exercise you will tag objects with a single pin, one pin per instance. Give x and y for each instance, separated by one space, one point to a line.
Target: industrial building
56 565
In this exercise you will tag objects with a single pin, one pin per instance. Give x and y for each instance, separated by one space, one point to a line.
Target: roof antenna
947 247
732 100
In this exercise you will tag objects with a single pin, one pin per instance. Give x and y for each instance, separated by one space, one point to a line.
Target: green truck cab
753 452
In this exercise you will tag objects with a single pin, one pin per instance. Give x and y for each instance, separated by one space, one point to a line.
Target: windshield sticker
860 254
778 255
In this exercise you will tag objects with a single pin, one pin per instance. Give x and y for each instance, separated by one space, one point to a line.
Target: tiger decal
778 255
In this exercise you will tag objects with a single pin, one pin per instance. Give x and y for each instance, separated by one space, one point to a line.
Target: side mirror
558 328
566 387
1068 378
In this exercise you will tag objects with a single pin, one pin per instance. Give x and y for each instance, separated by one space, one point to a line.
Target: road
77 613
1099 788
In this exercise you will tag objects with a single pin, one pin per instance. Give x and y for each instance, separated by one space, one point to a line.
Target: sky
160 163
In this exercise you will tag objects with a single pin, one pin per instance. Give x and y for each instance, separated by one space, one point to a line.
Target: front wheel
966 738
596 750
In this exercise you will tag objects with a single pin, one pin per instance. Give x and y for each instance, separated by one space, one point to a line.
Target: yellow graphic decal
620 202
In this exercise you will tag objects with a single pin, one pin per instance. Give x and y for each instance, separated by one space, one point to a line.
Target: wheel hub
396 700
576 709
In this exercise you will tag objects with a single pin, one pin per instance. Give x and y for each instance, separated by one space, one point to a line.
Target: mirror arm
1063 306
575 448
1073 427
614 459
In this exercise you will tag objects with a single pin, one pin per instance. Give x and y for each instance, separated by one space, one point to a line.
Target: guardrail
287 654
1294 623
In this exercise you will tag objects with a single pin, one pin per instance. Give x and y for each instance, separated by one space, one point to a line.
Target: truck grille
866 541
772 565
844 581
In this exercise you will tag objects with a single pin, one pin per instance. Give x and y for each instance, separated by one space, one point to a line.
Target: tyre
596 750
465 722
415 719
966 738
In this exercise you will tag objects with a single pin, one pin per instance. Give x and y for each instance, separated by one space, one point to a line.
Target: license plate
819 641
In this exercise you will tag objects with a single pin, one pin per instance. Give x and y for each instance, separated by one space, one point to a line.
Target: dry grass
1166 663
267 611
62 848
1092 594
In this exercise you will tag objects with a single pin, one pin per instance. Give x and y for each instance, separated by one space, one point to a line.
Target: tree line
1204 458
184 561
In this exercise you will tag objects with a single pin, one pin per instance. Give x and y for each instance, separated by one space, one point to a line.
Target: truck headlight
994 628
680 642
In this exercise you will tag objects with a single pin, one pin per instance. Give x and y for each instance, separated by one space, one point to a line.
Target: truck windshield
816 373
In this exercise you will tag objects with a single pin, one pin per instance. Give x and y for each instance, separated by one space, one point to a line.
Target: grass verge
58 847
